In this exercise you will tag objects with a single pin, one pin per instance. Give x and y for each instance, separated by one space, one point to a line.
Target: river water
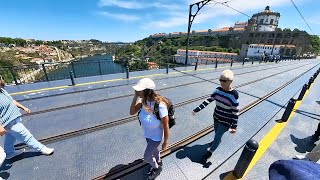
89 66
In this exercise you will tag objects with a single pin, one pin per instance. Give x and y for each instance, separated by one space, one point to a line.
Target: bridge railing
57 71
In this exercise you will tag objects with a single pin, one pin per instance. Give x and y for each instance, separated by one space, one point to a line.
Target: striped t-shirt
8 110
226 110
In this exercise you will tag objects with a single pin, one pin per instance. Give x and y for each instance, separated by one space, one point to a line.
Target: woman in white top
154 129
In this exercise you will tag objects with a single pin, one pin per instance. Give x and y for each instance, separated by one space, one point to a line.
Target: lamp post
199 5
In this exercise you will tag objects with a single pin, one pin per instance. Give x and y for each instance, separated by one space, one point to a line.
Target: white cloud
124 17
212 10
314 20
137 5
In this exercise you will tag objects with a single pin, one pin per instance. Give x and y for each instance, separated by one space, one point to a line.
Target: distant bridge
118 43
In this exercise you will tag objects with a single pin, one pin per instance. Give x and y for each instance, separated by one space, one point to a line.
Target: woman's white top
152 126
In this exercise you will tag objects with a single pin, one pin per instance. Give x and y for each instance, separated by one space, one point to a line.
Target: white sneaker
16 153
300 157
47 151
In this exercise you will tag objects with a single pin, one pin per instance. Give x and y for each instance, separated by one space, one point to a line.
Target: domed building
265 21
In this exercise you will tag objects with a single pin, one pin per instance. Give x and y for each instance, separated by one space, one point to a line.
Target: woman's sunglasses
222 80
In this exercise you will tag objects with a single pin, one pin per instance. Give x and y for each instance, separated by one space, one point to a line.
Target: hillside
162 50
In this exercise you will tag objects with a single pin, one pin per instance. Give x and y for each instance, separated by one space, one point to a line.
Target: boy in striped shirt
226 112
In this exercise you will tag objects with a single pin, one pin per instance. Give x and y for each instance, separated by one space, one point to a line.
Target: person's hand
193 113
27 110
232 131
2 131
164 145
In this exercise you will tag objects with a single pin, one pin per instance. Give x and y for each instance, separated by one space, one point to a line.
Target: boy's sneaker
155 173
16 153
206 156
47 151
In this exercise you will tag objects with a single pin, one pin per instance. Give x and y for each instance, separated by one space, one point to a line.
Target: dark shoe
155 173
206 156
314 137
151 168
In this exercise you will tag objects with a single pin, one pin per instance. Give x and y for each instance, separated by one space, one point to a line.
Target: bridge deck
96 153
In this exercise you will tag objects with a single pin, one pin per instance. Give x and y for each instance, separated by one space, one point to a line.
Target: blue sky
131 20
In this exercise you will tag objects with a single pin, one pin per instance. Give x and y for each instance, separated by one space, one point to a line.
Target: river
88 66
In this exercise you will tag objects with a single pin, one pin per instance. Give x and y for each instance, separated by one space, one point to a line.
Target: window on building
258 51
261 21
271 21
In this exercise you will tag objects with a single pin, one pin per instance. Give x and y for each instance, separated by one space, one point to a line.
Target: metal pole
288 110
72 78
45 72
199 5
74 73
127 72
245 158
99 67
189 28
195 68
216 63
13 75
167 68
303 91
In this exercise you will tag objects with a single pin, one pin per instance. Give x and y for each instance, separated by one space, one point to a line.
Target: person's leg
21 133
156 155
219 129
148 154
9 143
218 135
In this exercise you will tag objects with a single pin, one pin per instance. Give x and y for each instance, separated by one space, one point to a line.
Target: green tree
287 30
315 43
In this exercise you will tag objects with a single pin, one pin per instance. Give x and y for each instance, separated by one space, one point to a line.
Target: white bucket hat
145 83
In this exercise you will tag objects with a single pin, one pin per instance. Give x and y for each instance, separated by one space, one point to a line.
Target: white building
266 20
203 57
260 50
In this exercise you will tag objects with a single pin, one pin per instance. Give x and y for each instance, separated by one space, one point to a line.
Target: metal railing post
195 68
72 78
13 75
245 158
99 67
127 72
45 72
74 72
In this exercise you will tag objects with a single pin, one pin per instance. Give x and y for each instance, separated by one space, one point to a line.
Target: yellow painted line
268 140
107 81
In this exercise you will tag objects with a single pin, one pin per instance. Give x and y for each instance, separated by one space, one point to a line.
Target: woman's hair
150 94
227 74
